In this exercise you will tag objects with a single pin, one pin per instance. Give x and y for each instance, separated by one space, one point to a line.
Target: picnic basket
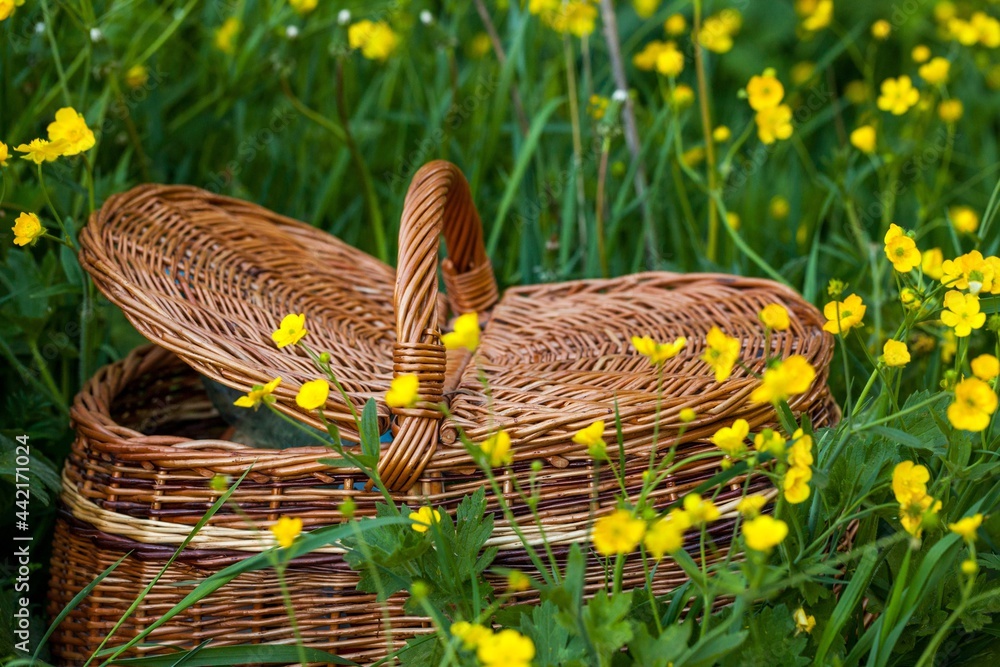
207 278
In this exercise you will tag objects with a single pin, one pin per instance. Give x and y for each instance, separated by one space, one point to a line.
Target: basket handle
438 202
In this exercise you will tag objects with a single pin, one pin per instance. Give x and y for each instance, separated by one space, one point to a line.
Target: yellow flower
424 518
796 484
909 480
465 334
646 59
784 379
675 25
864 139
803 622
226 34
944 10
775 316
618 533
4 154
964 218
774 124
764 91
969 566
576 17
404 391
41 150
136 76
898 95
730 439
721 134
7 8
920 53
970 271
597 106
470 634
592 437
682 96
895 354
497 449
721 353
779 208
963 31
750 506
987 29
800 455
312 395
670 61
258 394
377 41
842 316
507 648
764 533
769 441
543 7
930 263
950 111
974 404
700 510
935 72
986 367
717 31
27 229
645 8
303 6
881 29
912 513
910 298
666 534
962 313
966 527
291 331
285 530
518 581
856 91
657 353
479 45
816 14
802 72
901 250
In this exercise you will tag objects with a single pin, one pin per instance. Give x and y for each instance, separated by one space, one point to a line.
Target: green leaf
661 651
773 641
553 643
604 617
850 600
255 654
370 441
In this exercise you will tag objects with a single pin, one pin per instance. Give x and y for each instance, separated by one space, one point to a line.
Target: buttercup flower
842 316
764 533
803 622
657 353
700 510
4 154
618 533
312 395
687 415
646 59
258 394
507 648
136 76
764 91
864 139
597 106
962 313
950 111
935 72
964 218
291 330
930 263
909 480
681 96
730 439
769 441
970 271
470 634
921 53
898 95
669 60
779 208
816 14
966 527
377 41
497 449
576 17
800 455
969 566
285 530
592 437
913 513
424 518
666 534
226 34
303 6
27 229
717 31
796 484
721 353
645 8
404 391
675 25
901 250
750 506
465 334
895 354
721 134
7 8
881 29
518 581
775 317
975 402
774 124
41 150
784 379
986 367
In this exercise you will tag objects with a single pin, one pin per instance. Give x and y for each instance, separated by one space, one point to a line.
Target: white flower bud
96 35
291 32
975 286
39 27
620 95
344 16
426 17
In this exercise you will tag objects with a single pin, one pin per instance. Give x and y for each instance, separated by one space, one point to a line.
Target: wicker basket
208 277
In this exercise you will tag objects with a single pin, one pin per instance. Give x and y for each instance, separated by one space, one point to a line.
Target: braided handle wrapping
438 202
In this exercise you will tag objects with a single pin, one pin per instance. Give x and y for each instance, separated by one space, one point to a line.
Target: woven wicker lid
210 277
